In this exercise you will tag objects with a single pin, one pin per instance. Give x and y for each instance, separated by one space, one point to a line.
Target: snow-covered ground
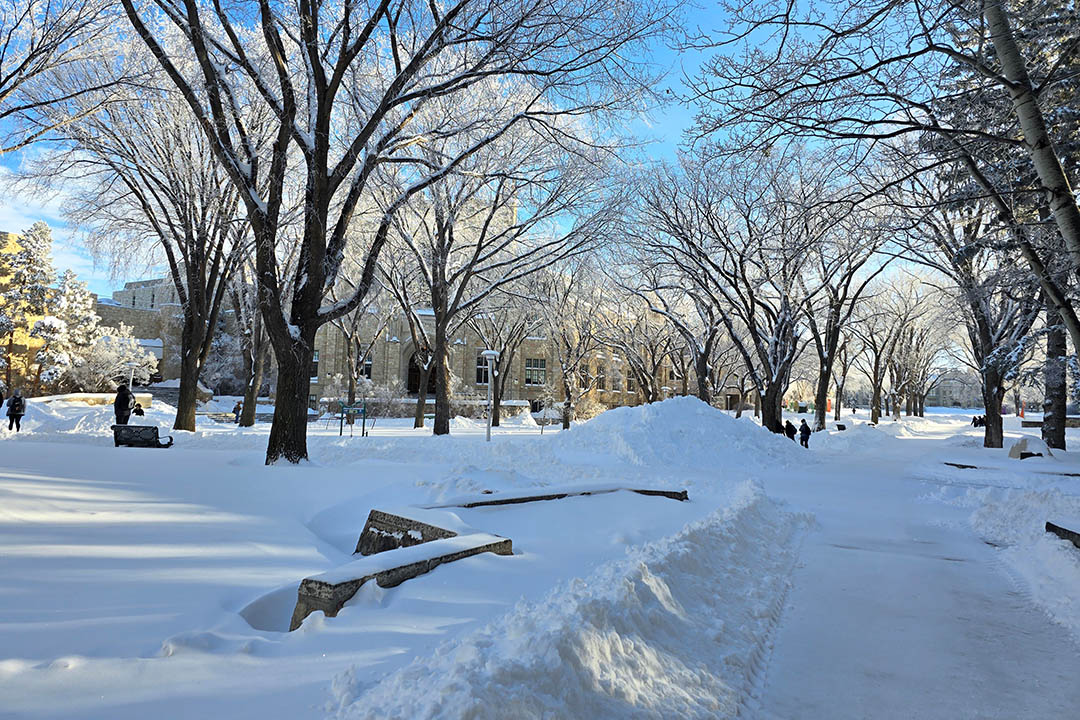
864 578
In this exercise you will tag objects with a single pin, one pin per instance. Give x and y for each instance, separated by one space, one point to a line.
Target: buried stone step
330 591
405 528
1065 533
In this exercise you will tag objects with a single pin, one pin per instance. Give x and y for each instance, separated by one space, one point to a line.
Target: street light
491 356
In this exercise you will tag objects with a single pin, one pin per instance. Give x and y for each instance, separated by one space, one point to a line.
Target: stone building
533 370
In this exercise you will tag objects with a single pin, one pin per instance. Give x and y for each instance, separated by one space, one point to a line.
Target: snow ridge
677 628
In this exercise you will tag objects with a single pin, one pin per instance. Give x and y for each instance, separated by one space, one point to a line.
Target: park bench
139 436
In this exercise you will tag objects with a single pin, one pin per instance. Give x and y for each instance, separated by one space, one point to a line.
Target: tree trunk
838 403
251 393
908 406
875 403
821 399
190 343
421 394
568 399
771 411
442 381
701 367
1053 427
496 395
1040 147
288 434
993 393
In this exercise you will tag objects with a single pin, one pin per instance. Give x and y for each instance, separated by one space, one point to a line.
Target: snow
855 579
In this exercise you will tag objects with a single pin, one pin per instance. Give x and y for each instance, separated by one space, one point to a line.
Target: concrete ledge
330 591
1064 533
388 531
143 398
680 495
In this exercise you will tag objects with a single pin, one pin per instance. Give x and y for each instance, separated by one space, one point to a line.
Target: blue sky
17 212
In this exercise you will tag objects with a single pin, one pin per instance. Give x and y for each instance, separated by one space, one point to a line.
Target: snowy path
898 610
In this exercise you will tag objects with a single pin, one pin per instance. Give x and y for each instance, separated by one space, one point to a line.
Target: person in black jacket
16 408
123 404
789 430
804 435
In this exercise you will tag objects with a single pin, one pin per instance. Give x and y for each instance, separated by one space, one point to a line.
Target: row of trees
290 161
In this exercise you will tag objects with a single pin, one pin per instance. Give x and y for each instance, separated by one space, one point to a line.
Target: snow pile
677 628
681 431
1047 566
856 437
81 419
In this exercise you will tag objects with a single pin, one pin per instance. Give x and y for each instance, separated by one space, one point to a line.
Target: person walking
16 408
789 430
804 435
123 404
237 408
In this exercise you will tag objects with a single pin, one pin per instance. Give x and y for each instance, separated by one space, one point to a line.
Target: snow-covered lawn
137 583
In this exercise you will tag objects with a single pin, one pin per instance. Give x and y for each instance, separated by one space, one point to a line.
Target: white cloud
19 211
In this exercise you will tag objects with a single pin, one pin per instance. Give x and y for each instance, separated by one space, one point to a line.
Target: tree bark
191 341
1053 427
496 393
288 434
251 393
701 368
993 394
771 411
442 380
838 403
1044 157
421 394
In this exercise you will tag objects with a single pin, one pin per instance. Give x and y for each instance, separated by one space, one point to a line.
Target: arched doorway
413 383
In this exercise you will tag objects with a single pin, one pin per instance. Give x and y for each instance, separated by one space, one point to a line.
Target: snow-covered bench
138 436
330 591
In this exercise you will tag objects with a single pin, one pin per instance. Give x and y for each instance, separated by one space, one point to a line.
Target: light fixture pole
491 356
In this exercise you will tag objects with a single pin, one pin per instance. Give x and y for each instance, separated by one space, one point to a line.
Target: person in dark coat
138 411
123 404
16 408
789 430
237 409
804 435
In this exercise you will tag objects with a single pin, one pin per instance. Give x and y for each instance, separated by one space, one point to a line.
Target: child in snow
237 408
804 435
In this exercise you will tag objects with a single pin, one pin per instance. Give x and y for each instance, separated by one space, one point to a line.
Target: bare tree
44 46
349 84
141 174
643 339
503 322
734 233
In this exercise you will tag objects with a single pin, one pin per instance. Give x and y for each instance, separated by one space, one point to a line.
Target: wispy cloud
19 211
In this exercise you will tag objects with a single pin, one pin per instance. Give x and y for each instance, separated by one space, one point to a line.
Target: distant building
955 388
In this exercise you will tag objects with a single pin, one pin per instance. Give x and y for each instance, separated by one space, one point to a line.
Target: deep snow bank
1047 568
677 628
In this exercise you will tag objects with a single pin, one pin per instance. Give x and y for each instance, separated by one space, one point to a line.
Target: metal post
491 356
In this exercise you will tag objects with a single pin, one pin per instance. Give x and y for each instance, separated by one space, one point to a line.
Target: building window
481 370
671 375
313 402
616 380
601 381
535 371
365 370
315 366
536 405
629 382
583 377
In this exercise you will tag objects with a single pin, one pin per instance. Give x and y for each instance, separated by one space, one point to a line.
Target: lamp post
491 356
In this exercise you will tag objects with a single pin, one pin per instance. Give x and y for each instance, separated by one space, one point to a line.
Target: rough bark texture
442 381
703 371
191 345
1053 427
288 434
993 394
838 403
771 412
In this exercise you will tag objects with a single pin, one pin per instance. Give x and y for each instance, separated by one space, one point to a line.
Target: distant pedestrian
237 409
789 430
123 404
804 435
16 408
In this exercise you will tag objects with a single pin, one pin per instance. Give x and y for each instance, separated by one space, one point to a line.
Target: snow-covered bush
115 357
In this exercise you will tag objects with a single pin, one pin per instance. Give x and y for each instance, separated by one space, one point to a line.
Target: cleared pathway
898 610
